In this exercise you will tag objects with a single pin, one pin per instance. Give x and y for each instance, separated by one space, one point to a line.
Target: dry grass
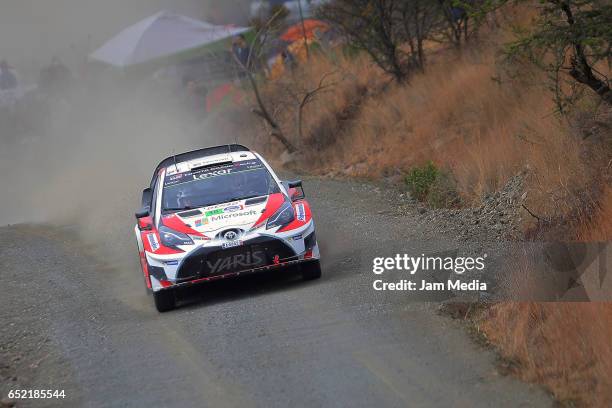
464 114
456 115
564 346
460 115
346 84
599 228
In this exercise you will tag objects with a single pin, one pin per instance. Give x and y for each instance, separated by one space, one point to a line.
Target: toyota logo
230 235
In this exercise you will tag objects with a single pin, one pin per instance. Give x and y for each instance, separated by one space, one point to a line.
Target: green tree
461 19
570 37
391 32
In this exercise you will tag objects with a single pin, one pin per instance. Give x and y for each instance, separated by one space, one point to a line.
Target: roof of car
197 154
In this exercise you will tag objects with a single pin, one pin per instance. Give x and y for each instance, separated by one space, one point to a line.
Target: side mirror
143 213
147 196
296 191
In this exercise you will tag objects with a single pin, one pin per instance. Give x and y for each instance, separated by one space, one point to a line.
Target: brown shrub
565 346
454 115
599 227
461 116
346 82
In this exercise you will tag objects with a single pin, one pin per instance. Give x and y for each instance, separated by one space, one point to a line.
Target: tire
165 300
311 270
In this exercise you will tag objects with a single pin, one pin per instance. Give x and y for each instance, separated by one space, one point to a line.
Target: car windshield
215 185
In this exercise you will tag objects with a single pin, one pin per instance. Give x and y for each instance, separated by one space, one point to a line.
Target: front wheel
165 300
311 270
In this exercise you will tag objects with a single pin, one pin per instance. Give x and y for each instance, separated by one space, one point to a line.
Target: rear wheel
165 300
311 270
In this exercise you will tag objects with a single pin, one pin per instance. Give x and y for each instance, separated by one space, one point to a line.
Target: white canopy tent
161 36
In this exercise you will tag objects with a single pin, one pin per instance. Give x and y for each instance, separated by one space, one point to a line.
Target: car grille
217 261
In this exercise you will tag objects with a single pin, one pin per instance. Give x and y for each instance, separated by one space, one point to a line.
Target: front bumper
210 262
239 273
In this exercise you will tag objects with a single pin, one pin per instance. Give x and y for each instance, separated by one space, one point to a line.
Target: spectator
458 13
241 50
8 80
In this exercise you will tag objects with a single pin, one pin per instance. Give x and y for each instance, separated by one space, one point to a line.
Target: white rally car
221 212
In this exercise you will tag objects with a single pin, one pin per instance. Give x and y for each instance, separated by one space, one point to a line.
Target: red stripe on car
274 203
176 224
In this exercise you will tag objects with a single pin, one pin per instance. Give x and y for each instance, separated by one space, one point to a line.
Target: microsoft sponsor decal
201 222
223 216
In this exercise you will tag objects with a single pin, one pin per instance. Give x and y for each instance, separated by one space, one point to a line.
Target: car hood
209 220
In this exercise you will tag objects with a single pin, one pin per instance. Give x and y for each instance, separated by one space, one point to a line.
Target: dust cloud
89 158
83 158
32 31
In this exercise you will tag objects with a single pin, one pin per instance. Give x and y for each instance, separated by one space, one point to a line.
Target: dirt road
75 316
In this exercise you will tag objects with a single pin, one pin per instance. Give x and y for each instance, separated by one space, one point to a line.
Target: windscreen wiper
246 197
181 208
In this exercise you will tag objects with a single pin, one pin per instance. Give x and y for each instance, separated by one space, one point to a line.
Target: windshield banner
213 171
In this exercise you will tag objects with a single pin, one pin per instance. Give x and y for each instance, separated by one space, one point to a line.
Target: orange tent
296 32
223 95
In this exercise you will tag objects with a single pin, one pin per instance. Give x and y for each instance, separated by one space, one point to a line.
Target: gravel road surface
75 316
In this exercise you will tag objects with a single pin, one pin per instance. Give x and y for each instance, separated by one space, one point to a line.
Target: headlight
171 238
282 217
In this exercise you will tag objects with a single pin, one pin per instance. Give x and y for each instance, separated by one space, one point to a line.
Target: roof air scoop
200 164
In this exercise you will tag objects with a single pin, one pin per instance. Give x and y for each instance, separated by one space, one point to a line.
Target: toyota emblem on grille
230 235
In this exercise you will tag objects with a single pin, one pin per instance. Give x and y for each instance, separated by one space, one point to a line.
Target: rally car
221 212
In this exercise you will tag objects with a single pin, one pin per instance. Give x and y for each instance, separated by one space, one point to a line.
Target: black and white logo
230 235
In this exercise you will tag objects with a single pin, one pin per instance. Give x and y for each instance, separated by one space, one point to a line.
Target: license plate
231 244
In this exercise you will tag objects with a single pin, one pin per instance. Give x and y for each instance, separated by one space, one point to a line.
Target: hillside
480 124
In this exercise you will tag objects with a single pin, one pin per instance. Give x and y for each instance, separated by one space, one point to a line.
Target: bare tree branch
262 112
